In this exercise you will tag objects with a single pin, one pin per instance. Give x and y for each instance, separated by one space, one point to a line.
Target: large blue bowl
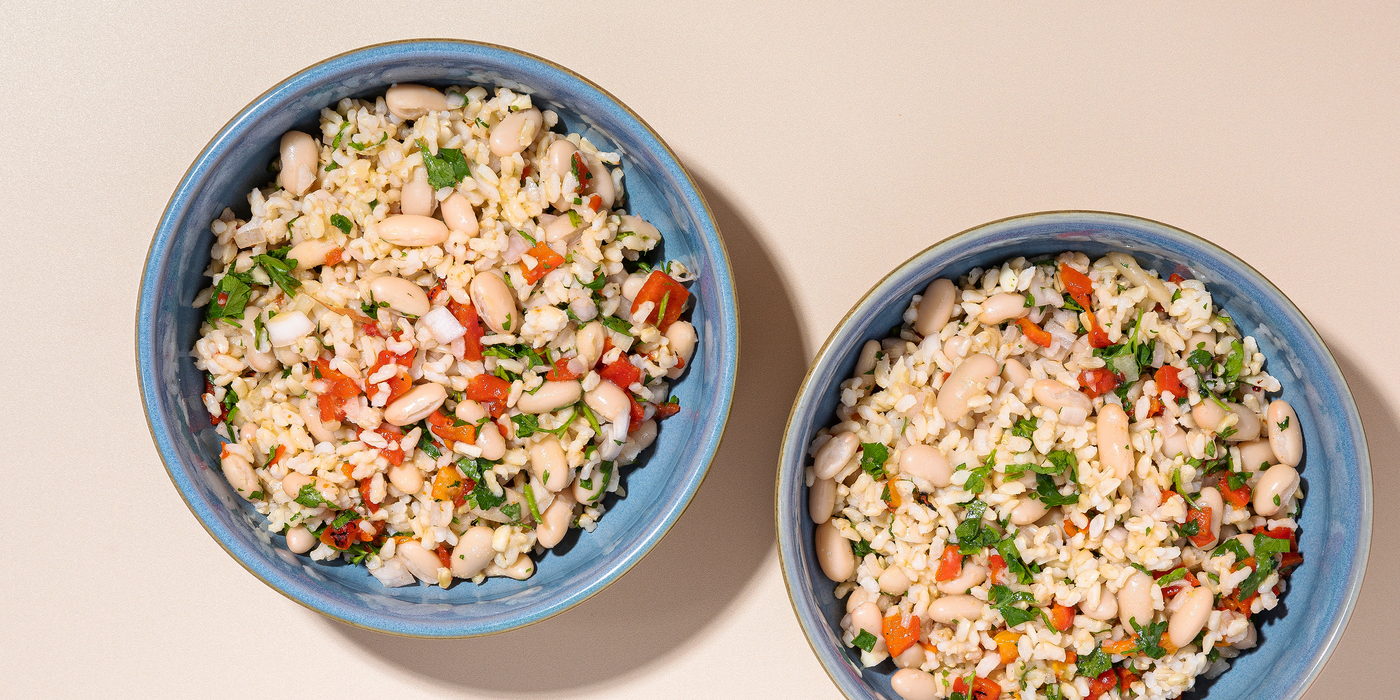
658 490
1335 526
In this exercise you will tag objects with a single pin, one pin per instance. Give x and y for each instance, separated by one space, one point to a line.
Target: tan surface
832 145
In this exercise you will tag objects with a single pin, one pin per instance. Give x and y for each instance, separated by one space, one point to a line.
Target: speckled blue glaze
1298 636
658 189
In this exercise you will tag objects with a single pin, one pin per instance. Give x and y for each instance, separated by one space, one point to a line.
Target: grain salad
1059 478
437 339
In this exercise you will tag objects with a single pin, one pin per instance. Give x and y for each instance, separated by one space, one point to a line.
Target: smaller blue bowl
1335 527
658 488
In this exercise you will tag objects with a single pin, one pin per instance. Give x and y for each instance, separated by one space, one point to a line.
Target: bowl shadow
704 562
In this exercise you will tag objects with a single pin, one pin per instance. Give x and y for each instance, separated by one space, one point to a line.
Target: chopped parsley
1049 493
1003 600
230 404
1092 665
872 459
1266 563
865 640
971 533
1025 427
1234 546
311 498
512 511
597 282
618 325
1150 637
530 499
1014 563
279 269
234 290
342 223
372 307
1283 424
447 168
861 548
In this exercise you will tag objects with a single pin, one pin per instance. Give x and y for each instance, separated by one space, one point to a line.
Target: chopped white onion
393 574
287 328
614 437
443 325
515 249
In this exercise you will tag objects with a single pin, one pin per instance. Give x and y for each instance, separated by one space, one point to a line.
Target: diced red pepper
622 373
277 455
1062 616
561 372
1168 381
950 564
899 634
997 569
1104 683
1099 381
1097 336
343 537
1176 279
392 435
1238 498
1077 284
1290 560
982 689
1035 333
466 315
545 258
451 429
491 392
364 496
1126 679
580 166
1154 406
338 390
666 410
661 290
595 202
450 485
637 412
1200 516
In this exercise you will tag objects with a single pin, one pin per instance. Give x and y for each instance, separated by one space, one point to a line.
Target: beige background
832 143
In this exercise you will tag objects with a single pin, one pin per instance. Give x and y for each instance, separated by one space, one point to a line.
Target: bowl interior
658 486
1336 519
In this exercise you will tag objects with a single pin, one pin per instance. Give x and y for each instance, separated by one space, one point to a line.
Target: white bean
300 159
867 618
821 500
834 553
859 597
894 581
589 340
681 336
1106 610
1028 511
936 307
549 463
550 396
1285 435
458 215
1173 437
1190 618
608 401
559 156
834 455
488 438
293 483
562 229
1015 373
556 519
415 405
865 363
1256 455
495 302
1135 600
311 415
512 134
1000 308
406 478
971 575
401 295
1208 414
240 475
409 230
417 194
600 181
968 379
956 347
420 562
591 492
913 684
473 552
410 101
1278 483
1210 498
955 607
928 463
913 657
520 569
309 254
1247 425
1057 397
300 540
1115 452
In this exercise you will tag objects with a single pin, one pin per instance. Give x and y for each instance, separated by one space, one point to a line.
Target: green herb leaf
342 223
597 282
1014 563
861 548
1049 493
447 168
616 324
865 640
345 518
530 499
1234 363
1177 574
1231 545
1150 637
1025 427
512 511
1093 665
311 498
872 459
234 289
280 271
525 425
972 534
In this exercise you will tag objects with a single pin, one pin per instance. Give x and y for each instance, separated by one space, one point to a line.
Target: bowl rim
806 393
728 316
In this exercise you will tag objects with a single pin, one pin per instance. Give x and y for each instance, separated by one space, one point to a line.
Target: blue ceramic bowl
658 489
1335 526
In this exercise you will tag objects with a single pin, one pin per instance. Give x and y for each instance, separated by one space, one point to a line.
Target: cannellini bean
956 346
293 483
1208 414
473 552
470 411
968 379
594 490
1173 437
556 519
681 336
1285 434
1135 600
913 684
859 597
512 134
1058 397
550 396
637 225
865 363
867 618
1201 340
300 158
409 230
520 569
834 454
1128 267
458 215
1247 427
834 553
410 101
894 581
401 295
493 446
300 540
1190 618
936 307
420 562
417 404
240 475
601 182
608 401
955 607
287 328
1028 511
971 575
559 156
1106 610
1015 373
821 500
1115 452
309 254
1256 455
1178 600
311 415
406 478
549 463
1000 308
1210 498
562 229
633 285
928 463
1276 484
913 657
589 340
495 302
417 194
